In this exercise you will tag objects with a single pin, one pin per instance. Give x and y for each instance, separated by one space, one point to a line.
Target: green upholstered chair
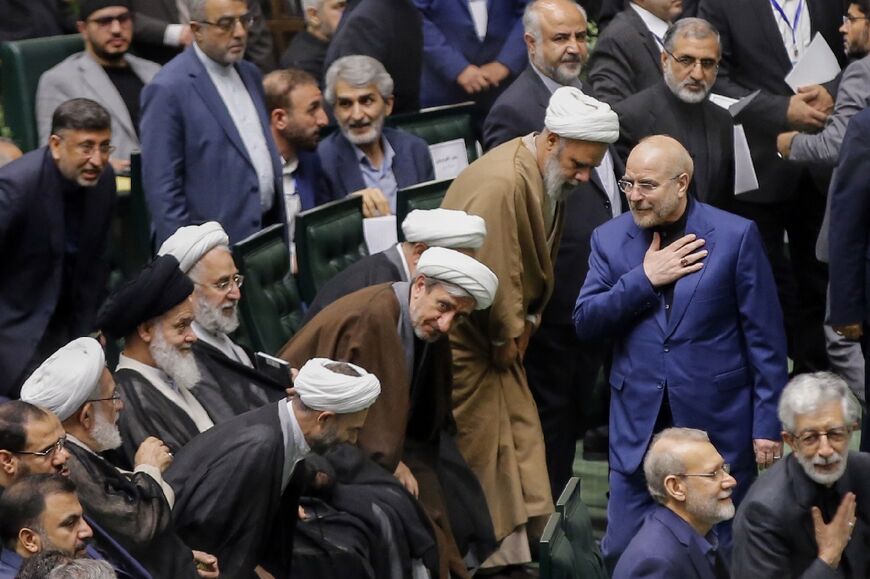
328 239
23 62
422 196
270 308
440 124
577 526
557 555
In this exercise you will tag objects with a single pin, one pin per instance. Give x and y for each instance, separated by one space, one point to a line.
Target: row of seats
568 548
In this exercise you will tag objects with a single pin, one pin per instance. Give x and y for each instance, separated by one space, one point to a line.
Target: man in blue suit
364 157
207 149
691 483
687 295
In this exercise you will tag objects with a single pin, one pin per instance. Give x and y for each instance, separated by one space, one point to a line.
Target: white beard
214 318
181 367
823 478
557 186
106 435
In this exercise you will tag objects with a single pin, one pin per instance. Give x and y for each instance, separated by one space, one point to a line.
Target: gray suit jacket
81 76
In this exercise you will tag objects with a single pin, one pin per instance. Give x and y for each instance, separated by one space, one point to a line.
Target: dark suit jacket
195 167
519 110
390 31
306 52
773 529
626 59
152 16
311 183
657 111
32 243
666 547
34 19
411 165
850 212
754 57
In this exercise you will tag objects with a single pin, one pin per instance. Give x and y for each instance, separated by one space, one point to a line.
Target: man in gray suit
103 72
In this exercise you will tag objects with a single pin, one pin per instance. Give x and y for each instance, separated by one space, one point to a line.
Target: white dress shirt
654 24
795 38
480 17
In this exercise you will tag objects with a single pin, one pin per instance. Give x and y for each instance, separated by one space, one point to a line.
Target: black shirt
669 233
129 86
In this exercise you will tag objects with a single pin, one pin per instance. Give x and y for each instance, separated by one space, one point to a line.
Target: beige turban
461 270
573 115
444 228
322 389
67 379
191 242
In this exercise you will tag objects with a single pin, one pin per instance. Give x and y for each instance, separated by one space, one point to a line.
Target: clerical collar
671 231
653 23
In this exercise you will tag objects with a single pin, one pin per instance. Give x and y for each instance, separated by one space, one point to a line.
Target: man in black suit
35 19
561 370
808 517
627 58
678 106
391 32
758 51
55 206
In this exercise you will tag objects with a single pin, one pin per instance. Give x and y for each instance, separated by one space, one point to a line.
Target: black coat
306 52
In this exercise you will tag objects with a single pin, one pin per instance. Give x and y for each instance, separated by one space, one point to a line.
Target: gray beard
683 93
823 479
710 512
180 367
555 183
106 435
213 319
375 130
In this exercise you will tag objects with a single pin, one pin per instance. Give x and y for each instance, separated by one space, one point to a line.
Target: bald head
659 170
673 157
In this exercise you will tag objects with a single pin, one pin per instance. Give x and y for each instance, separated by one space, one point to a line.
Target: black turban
88 7
158 288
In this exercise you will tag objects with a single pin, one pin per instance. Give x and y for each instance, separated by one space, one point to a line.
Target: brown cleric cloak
499 432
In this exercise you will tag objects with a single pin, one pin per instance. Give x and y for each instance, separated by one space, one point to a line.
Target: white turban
461 270
444 228
191 242
67 379
320 388
573 115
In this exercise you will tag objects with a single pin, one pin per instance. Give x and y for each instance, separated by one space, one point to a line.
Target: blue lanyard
792 25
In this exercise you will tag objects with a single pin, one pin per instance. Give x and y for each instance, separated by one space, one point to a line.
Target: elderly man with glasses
687 295
808 516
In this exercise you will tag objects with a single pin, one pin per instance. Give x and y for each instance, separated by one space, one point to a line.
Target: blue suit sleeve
513 52
437 49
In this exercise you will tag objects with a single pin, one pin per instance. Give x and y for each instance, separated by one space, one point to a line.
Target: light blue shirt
381 178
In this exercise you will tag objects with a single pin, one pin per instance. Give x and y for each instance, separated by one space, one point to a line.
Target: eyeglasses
224 284
116 397
717 474
707 64
107 21
56 447
645 187
853 19
228 23
810 439
88 148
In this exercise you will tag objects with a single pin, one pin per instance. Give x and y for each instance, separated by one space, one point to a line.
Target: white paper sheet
745 178
449 158
722 100
738 107
380 233
818 65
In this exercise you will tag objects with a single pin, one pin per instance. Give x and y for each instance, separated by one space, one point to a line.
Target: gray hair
532 18
196 8
696 28
358 71
806 393
83 569
659 464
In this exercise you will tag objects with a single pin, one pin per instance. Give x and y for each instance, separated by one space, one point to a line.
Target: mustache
822 461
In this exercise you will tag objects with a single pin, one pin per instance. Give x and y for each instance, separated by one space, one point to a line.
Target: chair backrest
328 239
23 62
577 526
557 556
422 196
270 308
440 124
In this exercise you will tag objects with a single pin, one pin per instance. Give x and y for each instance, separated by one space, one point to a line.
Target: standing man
104 72
519 189
207 148
808 517
687 295
55 207
307 49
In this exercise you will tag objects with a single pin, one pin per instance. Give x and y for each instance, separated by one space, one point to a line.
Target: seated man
800 519
364 157
228 372
422 229
239 483
56 565
135 508
690 481
103 72
307 49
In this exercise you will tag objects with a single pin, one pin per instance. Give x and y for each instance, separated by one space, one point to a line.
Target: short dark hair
863 6
41 564
14 416
80 115
342 368
278 85
23 502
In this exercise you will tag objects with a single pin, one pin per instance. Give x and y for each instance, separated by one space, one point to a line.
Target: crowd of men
425 415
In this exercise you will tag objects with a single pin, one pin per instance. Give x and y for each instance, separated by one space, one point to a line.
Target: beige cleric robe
499 429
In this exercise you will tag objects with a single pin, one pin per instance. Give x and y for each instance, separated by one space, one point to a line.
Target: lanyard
792 25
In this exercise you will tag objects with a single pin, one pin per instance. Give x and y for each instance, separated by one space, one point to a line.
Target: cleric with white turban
191 242
460 270
64 382
574 115
323 389
444 228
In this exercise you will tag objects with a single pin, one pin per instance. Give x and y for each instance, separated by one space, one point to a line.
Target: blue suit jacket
311 184
721 353
195 167
450 44
411 165
666 547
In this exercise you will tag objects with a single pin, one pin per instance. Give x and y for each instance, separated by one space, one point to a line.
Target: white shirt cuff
154 473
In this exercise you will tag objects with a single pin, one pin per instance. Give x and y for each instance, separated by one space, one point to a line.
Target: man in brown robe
398 332
519 189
